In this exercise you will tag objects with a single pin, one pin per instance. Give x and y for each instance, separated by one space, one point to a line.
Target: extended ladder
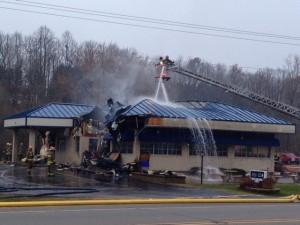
250 95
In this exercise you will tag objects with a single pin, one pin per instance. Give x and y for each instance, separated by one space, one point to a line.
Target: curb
289 199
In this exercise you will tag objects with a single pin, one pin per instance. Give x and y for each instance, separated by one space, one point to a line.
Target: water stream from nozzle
202 137
161 85
203 144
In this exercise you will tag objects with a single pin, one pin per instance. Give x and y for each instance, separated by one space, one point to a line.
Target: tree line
42 68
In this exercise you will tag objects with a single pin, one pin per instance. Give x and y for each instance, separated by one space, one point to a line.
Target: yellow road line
147 201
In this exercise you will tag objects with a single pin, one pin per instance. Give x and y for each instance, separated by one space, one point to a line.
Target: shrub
247 182
267 183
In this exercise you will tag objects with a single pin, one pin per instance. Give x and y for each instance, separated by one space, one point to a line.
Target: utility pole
201 154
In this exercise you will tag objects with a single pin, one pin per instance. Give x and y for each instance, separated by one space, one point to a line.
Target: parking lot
14 182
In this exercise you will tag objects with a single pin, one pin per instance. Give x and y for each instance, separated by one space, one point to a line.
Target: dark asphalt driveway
14 182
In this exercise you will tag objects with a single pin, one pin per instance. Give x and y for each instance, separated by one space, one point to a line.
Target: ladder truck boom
290 110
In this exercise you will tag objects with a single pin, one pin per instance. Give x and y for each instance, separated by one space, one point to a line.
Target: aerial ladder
290 110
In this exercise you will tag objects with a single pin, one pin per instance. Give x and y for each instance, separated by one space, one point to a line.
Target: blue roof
200 110
149 108
56 110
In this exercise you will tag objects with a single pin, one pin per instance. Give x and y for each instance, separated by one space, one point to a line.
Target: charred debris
105 161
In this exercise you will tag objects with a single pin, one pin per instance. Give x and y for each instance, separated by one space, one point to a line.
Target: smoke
125 83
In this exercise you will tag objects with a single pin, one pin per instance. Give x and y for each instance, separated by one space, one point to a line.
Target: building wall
71 155
182 162
67 155
185 161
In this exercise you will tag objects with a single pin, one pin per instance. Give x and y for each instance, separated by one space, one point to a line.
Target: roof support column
231 161
32 138
15 145
136 144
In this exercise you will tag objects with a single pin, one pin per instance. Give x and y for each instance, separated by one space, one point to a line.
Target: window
243 151
174 149
62 144
210 150
93 145
161 148
196 149
252 151
222 150
147 147
126 147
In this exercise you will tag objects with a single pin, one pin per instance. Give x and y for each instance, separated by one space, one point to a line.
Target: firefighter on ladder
168 62
51 161
164 63
160 62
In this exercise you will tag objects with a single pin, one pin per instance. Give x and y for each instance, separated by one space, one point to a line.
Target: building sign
155 121
258 175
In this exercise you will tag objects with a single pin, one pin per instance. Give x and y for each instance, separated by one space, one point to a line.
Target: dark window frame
161 148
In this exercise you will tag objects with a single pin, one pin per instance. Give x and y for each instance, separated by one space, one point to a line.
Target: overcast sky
217 31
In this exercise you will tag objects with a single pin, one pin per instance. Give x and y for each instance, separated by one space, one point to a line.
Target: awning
246 141
165 135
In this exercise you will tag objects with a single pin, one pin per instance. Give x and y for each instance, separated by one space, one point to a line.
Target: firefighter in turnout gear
8 152
51 161
21 152
168 62
29 156
160 62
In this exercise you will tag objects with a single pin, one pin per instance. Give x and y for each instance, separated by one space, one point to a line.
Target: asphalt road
15 183
183 214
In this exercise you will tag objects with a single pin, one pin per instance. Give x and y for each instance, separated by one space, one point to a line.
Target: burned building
174 135
71 128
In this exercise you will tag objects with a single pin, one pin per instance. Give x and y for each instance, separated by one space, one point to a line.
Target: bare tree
68 48
291 83
41 52
11 57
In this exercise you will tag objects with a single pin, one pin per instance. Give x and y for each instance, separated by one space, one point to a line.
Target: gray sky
158 37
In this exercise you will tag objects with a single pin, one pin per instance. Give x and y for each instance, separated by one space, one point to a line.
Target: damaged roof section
148 108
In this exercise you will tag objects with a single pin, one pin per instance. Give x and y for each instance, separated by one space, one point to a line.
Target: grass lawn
288 189
285 189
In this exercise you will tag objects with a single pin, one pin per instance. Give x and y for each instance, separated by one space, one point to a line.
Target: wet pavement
14 183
